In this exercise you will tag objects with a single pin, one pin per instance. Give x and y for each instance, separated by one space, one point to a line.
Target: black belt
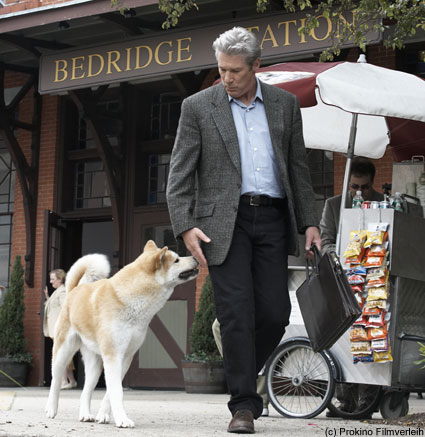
262 201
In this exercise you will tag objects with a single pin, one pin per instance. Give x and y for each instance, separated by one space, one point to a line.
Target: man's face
363 184
237 76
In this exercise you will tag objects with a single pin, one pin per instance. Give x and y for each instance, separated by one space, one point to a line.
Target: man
362 175
238 192
353 397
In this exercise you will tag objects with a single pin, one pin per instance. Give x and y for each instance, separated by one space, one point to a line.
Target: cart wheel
394 404
300 382
347 400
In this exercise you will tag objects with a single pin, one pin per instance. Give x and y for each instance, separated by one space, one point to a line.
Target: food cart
348 107
302 383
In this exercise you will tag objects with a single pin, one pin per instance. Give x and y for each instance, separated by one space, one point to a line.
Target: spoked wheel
394 404
300 382
355 401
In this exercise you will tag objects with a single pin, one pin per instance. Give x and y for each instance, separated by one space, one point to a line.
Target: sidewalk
166 413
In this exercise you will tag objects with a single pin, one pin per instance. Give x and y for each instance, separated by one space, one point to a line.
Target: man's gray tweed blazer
204 183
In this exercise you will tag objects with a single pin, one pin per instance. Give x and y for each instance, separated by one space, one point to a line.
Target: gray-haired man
241 142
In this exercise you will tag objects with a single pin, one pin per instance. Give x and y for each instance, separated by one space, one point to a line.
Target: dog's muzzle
188 274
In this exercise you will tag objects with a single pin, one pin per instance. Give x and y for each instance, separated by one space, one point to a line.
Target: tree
201 337
12 337
404 16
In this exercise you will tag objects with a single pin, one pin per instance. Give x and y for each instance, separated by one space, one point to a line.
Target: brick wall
46 193
13 6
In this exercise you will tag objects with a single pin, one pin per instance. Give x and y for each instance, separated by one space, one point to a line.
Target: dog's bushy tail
89 268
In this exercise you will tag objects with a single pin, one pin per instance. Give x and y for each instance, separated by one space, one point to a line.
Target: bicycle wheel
300 382
355 401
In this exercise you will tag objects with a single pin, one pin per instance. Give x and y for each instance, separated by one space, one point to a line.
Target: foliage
174 10
12 338
422 352
407 16
201 337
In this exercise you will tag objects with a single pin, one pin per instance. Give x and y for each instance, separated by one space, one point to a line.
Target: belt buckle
251 201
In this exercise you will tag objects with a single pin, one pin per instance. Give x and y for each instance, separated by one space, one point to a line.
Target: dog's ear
154 261
158 258
150 245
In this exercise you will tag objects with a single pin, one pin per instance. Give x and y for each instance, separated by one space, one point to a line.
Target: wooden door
157 364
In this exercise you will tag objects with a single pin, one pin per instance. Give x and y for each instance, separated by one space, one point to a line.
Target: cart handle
410 337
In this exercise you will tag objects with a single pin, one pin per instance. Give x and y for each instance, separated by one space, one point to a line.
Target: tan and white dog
107 321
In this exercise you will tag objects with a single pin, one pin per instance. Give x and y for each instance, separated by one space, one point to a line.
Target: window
110 126
7 190
159 167
165 114
91 185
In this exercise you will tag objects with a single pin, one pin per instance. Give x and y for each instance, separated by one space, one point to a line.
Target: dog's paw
102 417
86 418
124 423
50 412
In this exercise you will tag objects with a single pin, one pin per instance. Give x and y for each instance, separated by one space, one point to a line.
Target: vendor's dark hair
363 167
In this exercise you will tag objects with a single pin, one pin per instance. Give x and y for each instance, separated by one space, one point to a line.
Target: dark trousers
252 301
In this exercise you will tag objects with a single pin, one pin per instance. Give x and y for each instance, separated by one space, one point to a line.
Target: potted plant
203 370
14 357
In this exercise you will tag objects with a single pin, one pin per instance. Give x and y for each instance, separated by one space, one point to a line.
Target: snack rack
302 383
406 234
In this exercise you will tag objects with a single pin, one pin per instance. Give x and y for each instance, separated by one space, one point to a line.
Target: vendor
353 397
362 176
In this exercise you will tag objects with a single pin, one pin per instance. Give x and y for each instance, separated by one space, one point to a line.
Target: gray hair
238 41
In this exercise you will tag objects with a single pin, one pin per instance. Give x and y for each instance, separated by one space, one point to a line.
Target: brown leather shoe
242 422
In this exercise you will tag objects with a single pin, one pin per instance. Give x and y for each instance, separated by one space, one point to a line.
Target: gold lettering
113 62
257 28
128 68
342 19
138 57
302 35
90 67
170 53
313 31
180 49
77 67
286 23
271 37
63 70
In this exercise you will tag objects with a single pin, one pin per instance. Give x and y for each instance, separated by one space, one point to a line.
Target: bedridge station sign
177 51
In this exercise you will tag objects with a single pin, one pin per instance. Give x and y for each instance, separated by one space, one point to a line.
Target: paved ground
171 414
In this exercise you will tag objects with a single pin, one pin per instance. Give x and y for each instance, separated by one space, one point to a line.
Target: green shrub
203 347
12 338
421 352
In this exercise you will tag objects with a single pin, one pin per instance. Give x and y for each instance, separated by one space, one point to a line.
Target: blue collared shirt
260 172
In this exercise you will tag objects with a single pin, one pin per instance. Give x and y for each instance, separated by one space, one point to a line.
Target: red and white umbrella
350 107
330 93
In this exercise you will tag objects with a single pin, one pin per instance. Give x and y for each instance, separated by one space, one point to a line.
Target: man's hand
191 240
312 236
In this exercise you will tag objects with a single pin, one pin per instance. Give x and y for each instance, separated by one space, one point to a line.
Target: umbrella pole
350 154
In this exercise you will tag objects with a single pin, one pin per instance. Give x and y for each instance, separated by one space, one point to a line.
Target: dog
107 321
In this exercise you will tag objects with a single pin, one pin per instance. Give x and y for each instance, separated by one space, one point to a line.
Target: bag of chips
376 320
367 358
377 293
360 347
355 244
358 333
382 356
377 333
